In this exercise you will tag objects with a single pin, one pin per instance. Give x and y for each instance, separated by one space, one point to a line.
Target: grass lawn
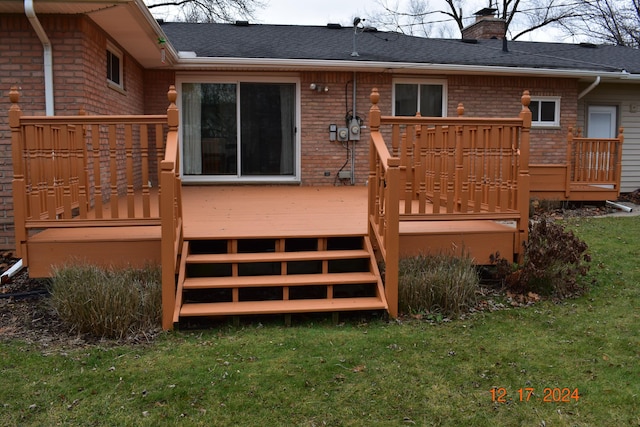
372 373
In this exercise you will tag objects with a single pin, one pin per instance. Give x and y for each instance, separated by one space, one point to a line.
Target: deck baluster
128 148
407 161
49 181
450 167
144 158
82 167
66 169
420 173
98 192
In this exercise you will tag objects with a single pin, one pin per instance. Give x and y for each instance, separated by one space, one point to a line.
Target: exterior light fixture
318 88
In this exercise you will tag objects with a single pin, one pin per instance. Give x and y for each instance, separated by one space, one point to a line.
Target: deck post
618 176
168 213
392 237
374 126
524 178
18 184
569 163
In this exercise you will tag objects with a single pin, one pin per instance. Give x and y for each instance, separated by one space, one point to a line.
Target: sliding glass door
244 131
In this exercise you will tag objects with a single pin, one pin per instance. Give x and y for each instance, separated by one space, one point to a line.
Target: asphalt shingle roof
324 43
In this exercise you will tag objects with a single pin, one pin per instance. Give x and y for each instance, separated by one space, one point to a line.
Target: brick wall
491 96
320 109
79 68
156 86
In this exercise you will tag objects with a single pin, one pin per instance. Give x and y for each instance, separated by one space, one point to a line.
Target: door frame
238 79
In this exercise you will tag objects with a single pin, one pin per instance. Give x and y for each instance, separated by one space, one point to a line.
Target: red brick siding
320 109
503 94
156 86
79 65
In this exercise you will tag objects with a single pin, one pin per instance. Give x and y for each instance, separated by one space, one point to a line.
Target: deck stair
253 276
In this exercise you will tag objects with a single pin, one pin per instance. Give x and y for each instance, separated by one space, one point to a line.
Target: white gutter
207 63
30 12
591 87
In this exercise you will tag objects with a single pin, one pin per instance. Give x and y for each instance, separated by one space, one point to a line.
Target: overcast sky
323 12
313 12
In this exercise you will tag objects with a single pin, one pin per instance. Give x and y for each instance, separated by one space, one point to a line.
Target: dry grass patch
442 284
107 302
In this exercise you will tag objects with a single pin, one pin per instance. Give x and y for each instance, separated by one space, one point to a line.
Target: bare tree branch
208 10
521 17
608 21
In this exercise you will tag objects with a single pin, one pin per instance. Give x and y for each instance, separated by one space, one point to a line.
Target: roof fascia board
156 31
407 67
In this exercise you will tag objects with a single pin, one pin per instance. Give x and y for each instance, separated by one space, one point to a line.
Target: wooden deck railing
594 161
170 213
445 169
85 168
591 171
103 171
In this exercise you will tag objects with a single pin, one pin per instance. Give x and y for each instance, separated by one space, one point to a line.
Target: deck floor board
273 211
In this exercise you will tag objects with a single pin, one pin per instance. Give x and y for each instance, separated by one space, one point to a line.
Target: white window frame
113 50
238 79
421 81
556 120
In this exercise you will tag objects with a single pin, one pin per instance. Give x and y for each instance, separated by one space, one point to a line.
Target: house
289 105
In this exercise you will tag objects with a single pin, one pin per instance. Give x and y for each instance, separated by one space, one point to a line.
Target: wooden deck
112 195
235 212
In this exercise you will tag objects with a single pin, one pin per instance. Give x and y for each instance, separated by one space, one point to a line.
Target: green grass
361 374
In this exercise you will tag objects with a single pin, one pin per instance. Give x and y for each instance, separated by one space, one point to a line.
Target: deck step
282 307
276 256
279 280
235 277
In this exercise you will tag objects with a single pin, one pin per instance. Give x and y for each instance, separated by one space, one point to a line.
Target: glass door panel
239 129
210 124
602 121
267 118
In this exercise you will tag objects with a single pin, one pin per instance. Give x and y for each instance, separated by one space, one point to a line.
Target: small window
545 112
427 98
114 66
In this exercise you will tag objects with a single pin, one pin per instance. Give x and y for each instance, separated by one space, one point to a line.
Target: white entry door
602 121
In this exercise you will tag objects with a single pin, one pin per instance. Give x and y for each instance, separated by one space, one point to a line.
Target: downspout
30 12
591 87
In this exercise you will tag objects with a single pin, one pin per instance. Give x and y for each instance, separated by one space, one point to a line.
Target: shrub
437 284
555 262
108 303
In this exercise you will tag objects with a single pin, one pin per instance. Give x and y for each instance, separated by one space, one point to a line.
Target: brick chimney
487 26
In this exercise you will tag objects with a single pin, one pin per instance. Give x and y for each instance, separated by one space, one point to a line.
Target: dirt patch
24 310
26 314
633 197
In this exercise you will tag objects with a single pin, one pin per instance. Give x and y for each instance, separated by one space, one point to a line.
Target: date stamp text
549 394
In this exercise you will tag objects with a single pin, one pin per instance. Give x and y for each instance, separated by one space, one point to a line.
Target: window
114 66
412 96
545 111
240 130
